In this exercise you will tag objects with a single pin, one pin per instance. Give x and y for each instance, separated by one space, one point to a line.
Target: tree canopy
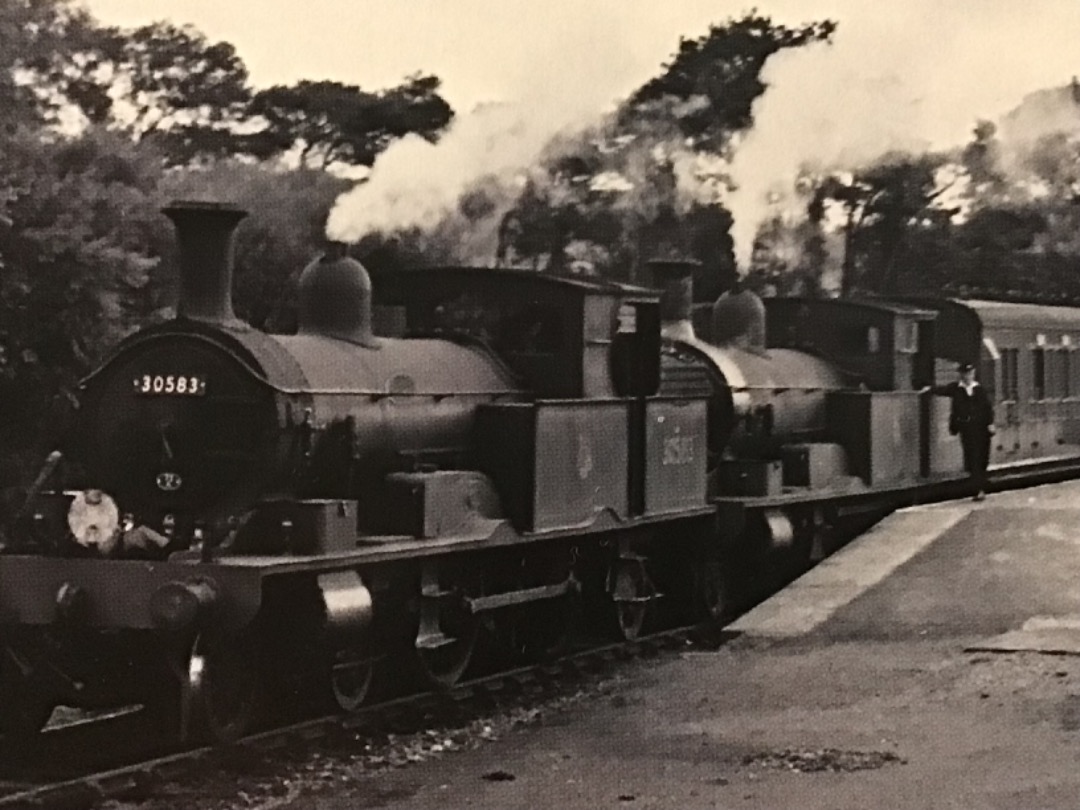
330 122
722 69
192 96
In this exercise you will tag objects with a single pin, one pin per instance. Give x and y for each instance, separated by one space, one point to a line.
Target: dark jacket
969 412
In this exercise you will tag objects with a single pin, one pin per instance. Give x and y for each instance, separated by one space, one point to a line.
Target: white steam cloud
561 78
911 76
415 183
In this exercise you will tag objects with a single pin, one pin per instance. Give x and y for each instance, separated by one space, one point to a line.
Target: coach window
989 372
1066 371
988 375
1038 374
1058 384
907 337
1010 375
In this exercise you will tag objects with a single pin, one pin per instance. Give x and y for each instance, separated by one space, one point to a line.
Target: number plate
178 385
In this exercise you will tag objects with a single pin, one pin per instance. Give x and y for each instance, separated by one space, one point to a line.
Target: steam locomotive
240 519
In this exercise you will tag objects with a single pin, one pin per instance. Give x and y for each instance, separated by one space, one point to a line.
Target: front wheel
222 692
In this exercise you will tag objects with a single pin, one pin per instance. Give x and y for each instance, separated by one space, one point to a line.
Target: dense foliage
721 73
994 219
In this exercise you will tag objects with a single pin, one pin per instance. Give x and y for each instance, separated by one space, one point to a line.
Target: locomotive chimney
675 278
205 234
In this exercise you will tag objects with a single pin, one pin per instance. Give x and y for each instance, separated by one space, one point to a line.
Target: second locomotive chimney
205 234
675 279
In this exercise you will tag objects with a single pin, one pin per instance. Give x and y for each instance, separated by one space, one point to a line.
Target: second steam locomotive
242 519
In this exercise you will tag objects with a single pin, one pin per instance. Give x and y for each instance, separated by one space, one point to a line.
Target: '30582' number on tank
190 385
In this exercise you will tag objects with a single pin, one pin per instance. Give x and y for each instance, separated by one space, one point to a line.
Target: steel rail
471 697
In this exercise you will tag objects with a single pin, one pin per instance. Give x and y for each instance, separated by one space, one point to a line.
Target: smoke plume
416 184
897 77
562 79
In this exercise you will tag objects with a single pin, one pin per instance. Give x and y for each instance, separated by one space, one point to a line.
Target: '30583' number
179 384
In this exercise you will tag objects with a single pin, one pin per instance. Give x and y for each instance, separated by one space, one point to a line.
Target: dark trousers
976 444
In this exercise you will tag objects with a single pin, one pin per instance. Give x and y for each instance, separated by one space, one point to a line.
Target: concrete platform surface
886 678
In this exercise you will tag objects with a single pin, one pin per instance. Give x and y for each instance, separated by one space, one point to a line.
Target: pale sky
489 48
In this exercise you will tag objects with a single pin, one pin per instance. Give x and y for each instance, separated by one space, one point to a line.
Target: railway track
70 789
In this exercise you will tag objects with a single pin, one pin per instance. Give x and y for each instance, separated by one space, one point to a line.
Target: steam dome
739 319
335 299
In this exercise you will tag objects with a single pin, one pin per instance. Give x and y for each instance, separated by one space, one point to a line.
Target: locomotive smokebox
675 279
205 234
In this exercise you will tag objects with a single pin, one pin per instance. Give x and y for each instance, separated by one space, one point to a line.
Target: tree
883 205
650 181
77 258
723 70
982 159
192 97
159 81
31 32
332 122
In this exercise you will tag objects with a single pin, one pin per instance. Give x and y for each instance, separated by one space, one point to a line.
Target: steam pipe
206 233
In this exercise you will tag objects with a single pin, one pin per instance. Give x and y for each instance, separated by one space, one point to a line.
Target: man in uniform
972 418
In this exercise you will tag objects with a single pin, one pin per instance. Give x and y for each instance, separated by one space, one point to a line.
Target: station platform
934 662
961 568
